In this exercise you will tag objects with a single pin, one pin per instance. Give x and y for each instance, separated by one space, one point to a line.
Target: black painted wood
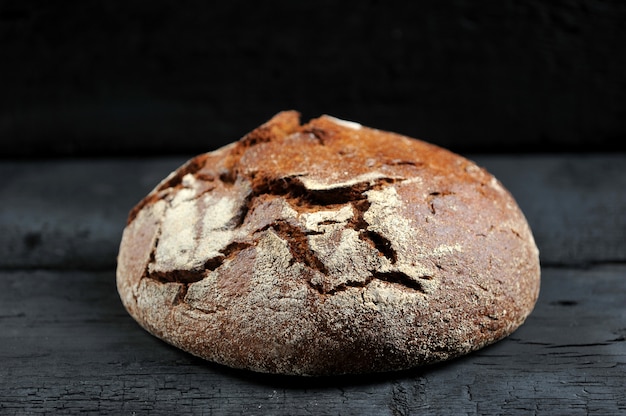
67 346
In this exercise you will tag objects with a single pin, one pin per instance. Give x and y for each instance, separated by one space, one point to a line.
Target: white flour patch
345 255
188 181
322 220
349 124
384 218
445 249
317 185
189 239
219 212
177 241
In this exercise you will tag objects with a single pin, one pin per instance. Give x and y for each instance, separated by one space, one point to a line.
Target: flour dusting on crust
328 248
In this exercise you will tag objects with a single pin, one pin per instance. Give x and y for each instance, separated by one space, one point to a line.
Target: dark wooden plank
67 346
575 205
70 214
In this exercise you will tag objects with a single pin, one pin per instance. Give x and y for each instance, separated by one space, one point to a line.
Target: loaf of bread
328 248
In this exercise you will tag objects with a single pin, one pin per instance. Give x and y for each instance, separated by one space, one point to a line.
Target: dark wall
154 77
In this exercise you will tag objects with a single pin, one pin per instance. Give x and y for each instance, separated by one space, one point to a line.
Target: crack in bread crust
303 201
374 253
302 195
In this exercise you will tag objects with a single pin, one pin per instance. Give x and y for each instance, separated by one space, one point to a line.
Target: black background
101 78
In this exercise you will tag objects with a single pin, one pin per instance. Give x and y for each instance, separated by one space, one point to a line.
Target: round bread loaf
328 248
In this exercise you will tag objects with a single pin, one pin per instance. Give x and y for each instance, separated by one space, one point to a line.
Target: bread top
288 249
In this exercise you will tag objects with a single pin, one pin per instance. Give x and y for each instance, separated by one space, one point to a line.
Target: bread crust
328 248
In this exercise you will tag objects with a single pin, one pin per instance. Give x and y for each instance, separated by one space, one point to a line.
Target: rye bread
328 248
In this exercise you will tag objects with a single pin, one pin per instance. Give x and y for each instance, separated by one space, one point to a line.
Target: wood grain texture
67 346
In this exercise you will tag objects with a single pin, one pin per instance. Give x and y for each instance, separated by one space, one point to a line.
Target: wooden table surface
67 345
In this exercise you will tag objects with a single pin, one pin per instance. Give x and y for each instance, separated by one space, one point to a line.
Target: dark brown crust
328 248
